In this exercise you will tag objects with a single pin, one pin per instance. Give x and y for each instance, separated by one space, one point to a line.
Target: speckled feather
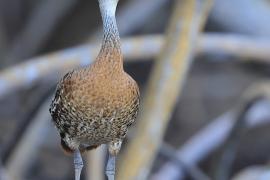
96 104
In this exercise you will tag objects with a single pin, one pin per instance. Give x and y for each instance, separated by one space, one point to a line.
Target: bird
96 104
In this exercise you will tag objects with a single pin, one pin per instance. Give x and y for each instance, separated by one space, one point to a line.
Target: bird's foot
78 164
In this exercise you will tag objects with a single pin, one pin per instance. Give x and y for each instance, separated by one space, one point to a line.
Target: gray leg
110 167
114 148
78 164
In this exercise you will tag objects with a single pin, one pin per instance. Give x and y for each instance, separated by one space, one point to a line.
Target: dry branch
25 74
242 46
254 172
165 83
3 40
253 18
35 34
193 171
143 47
27 148
130 20
96 163
228 151
3 173
213 135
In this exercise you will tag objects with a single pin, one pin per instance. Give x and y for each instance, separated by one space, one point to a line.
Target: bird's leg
110 167
78 164
114 148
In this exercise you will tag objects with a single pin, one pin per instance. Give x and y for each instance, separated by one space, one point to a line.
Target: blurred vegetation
202 67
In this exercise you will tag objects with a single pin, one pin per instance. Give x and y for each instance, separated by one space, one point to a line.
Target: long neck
111 47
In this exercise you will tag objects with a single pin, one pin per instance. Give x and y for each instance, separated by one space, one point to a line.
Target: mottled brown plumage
96 104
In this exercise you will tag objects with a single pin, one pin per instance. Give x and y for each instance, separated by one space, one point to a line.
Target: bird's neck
110 53
111 40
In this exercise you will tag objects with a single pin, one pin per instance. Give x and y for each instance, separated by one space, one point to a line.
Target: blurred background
210 116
